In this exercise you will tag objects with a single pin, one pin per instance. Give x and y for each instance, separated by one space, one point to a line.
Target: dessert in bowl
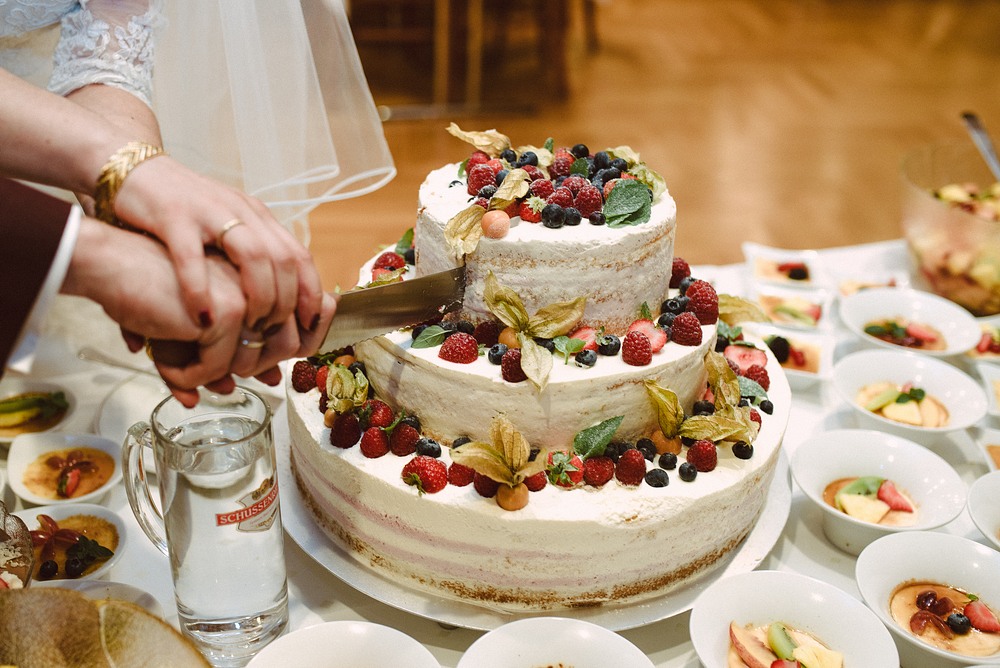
910 319
984 506
805 357
729 616
895 574
345 643
873 382
57 467
869 484
74 541
30 406
797 268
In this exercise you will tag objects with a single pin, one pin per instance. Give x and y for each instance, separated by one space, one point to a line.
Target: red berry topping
586 334
636 350
744 357
480 176
657 337
375 413
597 471
755 416
588 200
303 376
528 212
381 273
575 184
430 475
679 271
758 374
481 202
565 469
561 196
703 302
703 455
374 442
321 374
460 347
541 188
686 330
389 260
536 482
631 468
534 173
460 475
486 486
477 158
561 165
981 617
346 431
487 333
403 440
510 366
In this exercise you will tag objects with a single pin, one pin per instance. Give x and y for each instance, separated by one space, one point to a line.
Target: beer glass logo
258 511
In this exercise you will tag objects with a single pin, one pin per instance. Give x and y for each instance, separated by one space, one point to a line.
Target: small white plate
778 303
988 441
885 279
27 448
838 620
816 345
553 641
13 386
990 375
101 590
61 512
345 644
765 265
984 506
131 401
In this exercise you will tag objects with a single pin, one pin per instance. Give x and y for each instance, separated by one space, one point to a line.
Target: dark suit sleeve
31 227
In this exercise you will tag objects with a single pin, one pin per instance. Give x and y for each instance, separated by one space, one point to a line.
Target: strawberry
679 271
744 357
403 440
460 475
588 200
561 165
510 366
303 376
685 330
382 272
487 333
536 482
631 468
460 348
561 196
321 373
888 494
541 188
921 332
374 442
574 184
785 663
758 374
586 334
636 350
485 486
703 301
480 176
375 413
797 355
985 341
389 260
657 337
528 212
346 431
608 186
430 475
597 471
477 158
703 455
69 480
565 469
981 617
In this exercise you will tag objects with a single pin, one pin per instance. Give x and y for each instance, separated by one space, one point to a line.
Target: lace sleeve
107 42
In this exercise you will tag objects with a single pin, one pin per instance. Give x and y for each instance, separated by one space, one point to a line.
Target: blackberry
959 623
609 344
667 461
602 160
48 570
411 420
597 218
647 448
461 440
509 155
780 347
687 471
487 191
527 158
417 331
429 447
580 151
410 255
75 567
501 175
742 450
665 320
358 366
495 353
767 406
553 216
585 358
547 344
621 164
571 216
702 407
685 283
656 478
465 326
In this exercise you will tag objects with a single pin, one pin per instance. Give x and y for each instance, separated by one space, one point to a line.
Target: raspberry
403 440
389 260
657 337
631 468
374 442
541 188
703 455
487 333
428 474
755 416
597 471
561 165
321 374
510 366
565 469
686 330
636 350
346 431
679 271
479 176
527 211
460 347
536 482
486 486
574 184
561 196
375 413
534 173
324 402
703 301
758 374
303 376
588 200
482 203
477 158
460 475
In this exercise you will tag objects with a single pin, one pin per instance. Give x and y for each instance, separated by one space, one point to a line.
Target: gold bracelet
113 174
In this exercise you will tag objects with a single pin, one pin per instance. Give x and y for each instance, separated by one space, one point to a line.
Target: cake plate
302 528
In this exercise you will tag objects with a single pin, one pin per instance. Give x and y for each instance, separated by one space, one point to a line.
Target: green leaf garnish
628 204
580 167
433 335
566 346
405 242
88 551
592 441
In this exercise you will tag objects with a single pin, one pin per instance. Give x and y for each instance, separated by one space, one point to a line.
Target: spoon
93 355
982 140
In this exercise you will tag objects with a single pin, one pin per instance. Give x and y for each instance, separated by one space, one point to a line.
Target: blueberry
533 454
959 623
410 255
609 344
647 448
580 151
687 471
742 450
487 191
48 570
685 283
665 319
597 218
571 216
461 440
620 164
798 273
501 175
358 366
547 344
721 343
702 407
509 155
495 353
553 216
767 406
75 568
449 328
586 358
675 305
602 160
668 461
465 326
657 478
615 449
417 331
527 158
780 347
429 447
411 420
744 401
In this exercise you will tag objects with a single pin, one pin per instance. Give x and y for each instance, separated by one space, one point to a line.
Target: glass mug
220 524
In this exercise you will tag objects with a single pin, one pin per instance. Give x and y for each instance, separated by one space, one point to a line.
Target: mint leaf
644 311
628 204
752 389
727 331
550 144
430 337
591 441
405 242
567 346
580 167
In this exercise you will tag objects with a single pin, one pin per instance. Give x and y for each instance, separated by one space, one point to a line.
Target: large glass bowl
955 251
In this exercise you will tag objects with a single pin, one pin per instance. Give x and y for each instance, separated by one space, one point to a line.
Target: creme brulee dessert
794 271
906 333
795 355
946 618
72 547
903 403
871 499
762 646
68 473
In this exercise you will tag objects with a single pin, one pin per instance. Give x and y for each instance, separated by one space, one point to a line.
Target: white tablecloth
316 595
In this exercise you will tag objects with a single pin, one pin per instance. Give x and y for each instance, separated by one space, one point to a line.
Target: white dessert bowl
759 259
961 395
818 298
989 374
960 330
937 491
345 644
988 440
984 507
14 386
26 448
61 512
552 641
837 619
930 556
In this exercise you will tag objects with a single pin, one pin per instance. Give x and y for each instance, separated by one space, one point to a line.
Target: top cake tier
616 268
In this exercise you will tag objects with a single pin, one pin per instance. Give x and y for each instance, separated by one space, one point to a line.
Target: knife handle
178 354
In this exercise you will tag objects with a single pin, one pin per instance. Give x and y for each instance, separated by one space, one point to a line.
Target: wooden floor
776 121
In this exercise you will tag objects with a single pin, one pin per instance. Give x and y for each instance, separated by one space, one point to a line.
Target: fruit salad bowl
893 567
941 398
800 603
898 318
984 506
874 469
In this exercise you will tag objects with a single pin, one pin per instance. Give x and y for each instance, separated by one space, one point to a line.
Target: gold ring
252 345
222 233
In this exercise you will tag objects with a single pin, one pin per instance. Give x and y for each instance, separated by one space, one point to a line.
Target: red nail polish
205 318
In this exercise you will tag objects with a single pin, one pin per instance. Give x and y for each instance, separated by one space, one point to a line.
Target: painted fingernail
259 325
272 330
205 318
315 323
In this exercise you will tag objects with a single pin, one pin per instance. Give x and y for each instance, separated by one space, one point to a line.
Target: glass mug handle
146 512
